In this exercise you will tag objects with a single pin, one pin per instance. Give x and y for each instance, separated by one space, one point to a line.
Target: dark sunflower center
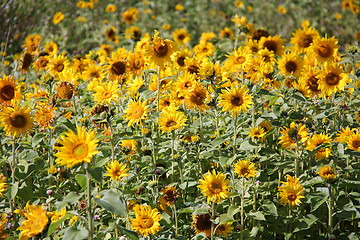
193 69
170 123
244 171
181 61
291 197
240 59
215 187
236 101
291 66
197 98
227 35
166 103
325 51
205 49
110 33
306 41
356 143
65 91
136 35
18 120
7 93
146 222
181 37
313 84
271 46
266 58
170 196
59 67
27 59
162 50
332 79
43 62
118 68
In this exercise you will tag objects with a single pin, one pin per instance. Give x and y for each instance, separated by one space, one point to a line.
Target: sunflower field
170 119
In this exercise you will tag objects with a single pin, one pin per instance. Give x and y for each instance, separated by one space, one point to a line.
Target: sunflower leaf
111 201
74 233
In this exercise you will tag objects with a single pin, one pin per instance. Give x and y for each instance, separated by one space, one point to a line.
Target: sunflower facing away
244 168
235 100
327 173
214 186
76 147
291 192
146 220
171 119
35 221
317 140
16 121
159 51
116 170
136 112
293 135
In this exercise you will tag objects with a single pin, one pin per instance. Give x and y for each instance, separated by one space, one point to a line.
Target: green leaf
96 173
111 202
54 225
247 146
349 184
317 201
26 192
270 208
74 233
81 179
13 190
352 153
71 198
272 100
130 234
305 223
257 216
233 210
299 96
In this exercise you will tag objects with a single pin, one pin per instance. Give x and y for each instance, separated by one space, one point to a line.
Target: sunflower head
327 173
65 90
16 121
159 50
9 91
136 112
170 195
26 63
235 99
202 224
146 220
291 192
116 170
35 221
3 185
353 141
244 168
215 186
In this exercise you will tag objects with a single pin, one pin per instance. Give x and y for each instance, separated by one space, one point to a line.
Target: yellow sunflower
116 170
133 33
170 119
146 220
178 58
204 48
244 168
181 36
3 221
291 192
317 140
324 49
3 185
16 121
35 221
226 33
32 43
224 229
303 38
332 79
51 48
159 50
267 56
9 91
235 99
117 65
291 64
130 15
293 135
353 141
170 195
344 134
196 97
110 8
274 44
238 60
44 116
41 63
327 173
106 93
58 17
214 186
136 112
76 147
310 78
58 63
256 132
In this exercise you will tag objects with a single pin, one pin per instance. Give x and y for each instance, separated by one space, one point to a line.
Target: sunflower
266 125
51 48
3 185
344 134
259 33
143 43
135 84
239 60
293 135
133 33
32 43
76 147
324 49
136 62
170 195
214 186
202 224
26 61
353 141
185 82
166 101
170 119
159 51
235 99
129 146
303 38
64 90
224 229
57 215
58 63
106 93
267 56
291 192
315 141
9 91
327 173
117 65
146 220
45 116
35 221
291 64
196 97
310 78
226 33
302 88
111 35
136 112
116 170
204 48
58 17
206 36
3 220
256 132
274 44
178 58
245 169
332 79
252 45
192 64
181 36
130 15
16 121
41 63
110 8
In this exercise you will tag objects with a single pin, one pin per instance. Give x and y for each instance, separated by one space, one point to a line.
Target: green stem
242 208
235 133
212 219
13 164
176 221
89 212
172 156
331 211
158 91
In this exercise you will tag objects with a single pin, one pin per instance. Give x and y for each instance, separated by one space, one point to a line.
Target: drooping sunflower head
244 168
146 220
235 99
202 224
159 50
136 112
76 148
215 186
26 61
16 120
65 90
327 173
116 170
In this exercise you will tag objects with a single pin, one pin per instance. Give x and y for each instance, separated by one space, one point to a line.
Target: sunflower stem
242 208
212 220
158 90
89 212
297 162
172 156
235 134
331 211
176 221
